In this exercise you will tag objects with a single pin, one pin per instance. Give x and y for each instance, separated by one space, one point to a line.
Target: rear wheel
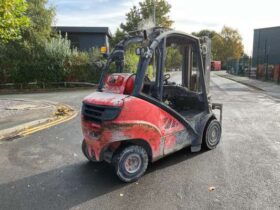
212 134
131 163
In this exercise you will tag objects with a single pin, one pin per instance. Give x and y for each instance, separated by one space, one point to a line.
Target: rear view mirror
204 49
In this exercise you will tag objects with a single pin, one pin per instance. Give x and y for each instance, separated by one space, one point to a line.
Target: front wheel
212 134
131 163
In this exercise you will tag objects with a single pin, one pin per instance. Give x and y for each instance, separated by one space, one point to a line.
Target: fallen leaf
210 189
179 195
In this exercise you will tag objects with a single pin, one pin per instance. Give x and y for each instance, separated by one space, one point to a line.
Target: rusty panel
276 76
260 71
177 141
137 120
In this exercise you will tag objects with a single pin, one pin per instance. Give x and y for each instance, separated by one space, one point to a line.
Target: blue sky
188 15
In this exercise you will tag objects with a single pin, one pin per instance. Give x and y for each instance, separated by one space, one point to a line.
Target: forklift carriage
135 118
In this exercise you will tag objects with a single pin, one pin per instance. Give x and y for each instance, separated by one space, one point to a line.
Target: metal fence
240 66
265 72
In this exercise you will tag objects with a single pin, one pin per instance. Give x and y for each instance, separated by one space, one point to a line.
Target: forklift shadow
61 188
71 185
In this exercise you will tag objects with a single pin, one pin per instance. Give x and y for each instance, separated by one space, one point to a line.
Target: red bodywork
138 120
216 65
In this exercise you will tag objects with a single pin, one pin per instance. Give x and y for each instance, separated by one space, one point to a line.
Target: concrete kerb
241 82
25 129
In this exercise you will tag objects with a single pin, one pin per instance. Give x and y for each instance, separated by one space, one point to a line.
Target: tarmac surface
47 170
15 112
271 88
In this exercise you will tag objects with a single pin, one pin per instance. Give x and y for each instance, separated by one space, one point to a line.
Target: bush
131 60
82 67
53 62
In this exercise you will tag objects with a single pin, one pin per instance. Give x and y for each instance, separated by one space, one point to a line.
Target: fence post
278 81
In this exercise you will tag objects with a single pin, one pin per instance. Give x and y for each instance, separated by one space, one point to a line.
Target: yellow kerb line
48 125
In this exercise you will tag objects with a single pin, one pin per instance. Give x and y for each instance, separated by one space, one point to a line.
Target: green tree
218 46
131 60
140 17
31 53
133 18
24 60
162 8
232 44
117 37
225 45
205 32
41 18
12 19
173 58
145 12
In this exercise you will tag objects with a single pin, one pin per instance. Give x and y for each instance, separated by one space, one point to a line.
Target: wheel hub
133 163
213 135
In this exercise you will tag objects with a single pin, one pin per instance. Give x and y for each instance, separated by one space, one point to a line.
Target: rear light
129 85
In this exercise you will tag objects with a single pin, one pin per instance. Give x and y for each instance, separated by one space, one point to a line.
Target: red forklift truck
132 120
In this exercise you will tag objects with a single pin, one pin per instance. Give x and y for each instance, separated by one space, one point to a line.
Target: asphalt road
48 171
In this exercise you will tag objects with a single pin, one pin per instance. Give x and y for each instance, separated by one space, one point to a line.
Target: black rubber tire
85 152
119 163
212 135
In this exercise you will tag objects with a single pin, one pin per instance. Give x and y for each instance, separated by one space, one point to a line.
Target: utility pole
154 13
154 19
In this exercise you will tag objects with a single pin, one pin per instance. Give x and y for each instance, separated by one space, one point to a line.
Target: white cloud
189 16
91 12
242 15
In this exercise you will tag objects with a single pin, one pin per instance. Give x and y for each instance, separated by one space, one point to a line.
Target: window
173 61
181 63
182 86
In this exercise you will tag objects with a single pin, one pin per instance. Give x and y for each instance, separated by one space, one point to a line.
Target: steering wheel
166 77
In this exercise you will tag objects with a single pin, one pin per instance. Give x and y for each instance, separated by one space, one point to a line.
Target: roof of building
269 28
79 29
